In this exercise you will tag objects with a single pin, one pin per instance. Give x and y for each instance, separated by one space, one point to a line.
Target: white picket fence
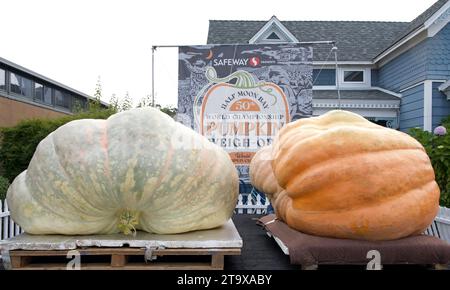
251 205
246 205
8 228
441 226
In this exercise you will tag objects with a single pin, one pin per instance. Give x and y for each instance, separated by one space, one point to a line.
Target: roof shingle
356 40
354 95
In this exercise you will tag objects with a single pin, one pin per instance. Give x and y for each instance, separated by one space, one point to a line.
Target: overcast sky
75 41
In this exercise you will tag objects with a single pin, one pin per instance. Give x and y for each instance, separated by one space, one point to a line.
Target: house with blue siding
393 73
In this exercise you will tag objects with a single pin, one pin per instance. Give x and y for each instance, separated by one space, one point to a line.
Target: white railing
247 204
8 228
441 226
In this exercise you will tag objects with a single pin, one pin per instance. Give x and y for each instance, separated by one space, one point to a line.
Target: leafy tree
171 111
145 102
127 103
95 104
4 184
114 103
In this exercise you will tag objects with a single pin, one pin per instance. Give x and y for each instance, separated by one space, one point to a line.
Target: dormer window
273 36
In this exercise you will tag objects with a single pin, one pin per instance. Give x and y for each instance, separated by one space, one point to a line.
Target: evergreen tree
145 102
114 103
127 103
95 104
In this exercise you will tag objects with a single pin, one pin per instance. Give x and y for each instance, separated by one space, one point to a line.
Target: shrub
4 184
19 143
438 149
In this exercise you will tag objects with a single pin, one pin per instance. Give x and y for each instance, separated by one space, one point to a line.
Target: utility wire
335 49
323 65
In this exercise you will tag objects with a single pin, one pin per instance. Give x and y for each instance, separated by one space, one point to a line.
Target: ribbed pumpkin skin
261 173
346 177
87 173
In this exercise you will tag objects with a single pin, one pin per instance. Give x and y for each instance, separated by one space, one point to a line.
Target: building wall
428 60
13 111
438 65
440 105
407 69
411 108
326 77
374 78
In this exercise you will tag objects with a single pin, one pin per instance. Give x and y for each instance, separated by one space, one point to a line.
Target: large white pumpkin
136 170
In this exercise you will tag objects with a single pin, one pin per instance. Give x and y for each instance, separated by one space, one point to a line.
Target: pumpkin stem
128 219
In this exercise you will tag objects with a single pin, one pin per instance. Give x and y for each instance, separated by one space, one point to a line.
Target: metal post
153 76
337 76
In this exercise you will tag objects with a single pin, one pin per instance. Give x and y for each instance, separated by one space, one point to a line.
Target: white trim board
365 112
437 21
331 88
428 105
398 44
420 83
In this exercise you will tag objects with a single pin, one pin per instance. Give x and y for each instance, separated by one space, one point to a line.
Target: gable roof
418 22
422 18
356 40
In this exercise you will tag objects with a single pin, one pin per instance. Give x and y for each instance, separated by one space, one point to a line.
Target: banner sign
239 96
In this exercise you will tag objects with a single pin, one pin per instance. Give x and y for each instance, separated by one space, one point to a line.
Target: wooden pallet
93 258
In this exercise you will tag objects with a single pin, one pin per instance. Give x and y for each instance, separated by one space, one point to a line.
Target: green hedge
438 149
4 184
19 143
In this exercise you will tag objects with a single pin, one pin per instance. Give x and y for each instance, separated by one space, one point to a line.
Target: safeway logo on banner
252 61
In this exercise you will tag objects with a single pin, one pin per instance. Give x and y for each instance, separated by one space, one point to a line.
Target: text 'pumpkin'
339 175
138 169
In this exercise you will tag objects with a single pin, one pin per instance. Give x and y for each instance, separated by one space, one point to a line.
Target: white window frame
366 77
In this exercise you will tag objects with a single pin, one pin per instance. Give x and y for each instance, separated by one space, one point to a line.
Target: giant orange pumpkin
342 176
261 173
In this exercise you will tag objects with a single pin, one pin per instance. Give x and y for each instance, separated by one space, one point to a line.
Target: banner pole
337 76
153 76
301 42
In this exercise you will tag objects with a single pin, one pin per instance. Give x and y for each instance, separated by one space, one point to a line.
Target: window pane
62 99
38 92
273 35
2 79
20 85
79 104
48 95
353 76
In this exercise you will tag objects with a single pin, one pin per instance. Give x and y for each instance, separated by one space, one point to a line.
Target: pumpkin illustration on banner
137 170
339 175
240 114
